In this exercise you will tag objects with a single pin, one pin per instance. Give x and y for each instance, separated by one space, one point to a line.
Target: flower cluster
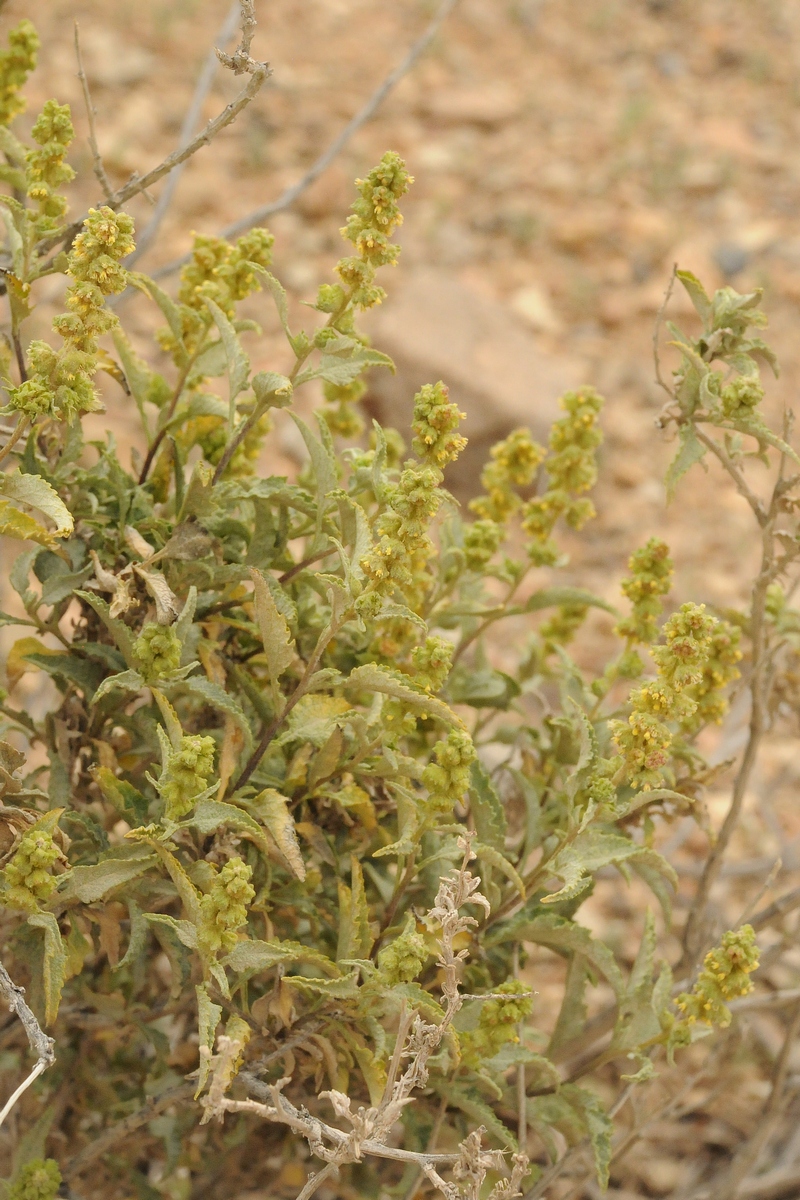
374 218
482 540
571 469
46 169
720 670
223 909
157 651
514 463
403 959
725 976
28 875
448 778
339 412
436 420
741 396
432 662
650 577
560 629
398 561
60 383
497 1024
186 774
644 741
221 272
39 1179
16 64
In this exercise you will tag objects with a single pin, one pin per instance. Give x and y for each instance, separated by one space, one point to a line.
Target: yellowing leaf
20 525
36 492
275 634
16 662
273 810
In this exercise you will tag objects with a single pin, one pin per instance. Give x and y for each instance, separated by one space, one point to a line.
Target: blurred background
566 154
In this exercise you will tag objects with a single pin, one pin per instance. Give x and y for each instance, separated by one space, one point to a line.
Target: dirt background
566 154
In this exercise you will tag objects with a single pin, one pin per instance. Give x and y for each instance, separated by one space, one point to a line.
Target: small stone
533 305
730 257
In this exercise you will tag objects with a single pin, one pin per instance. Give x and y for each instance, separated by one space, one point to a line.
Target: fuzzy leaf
478 1111
592 849
276 636
272 809
89 884
374 678
118 629
492 856
238 362
208 1016
249 957
487 809
599 1127
36 492
552 596
123 681
691 451
564 936
54 962
355 938
216 696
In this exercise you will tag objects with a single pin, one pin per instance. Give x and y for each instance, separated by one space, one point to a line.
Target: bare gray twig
204 81
91 113
287 198
258 73
39 1042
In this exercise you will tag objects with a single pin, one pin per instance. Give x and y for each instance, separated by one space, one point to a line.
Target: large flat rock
499 373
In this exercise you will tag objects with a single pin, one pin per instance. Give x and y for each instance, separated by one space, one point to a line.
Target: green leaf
573 1011
691 451
589 851
279 647
599 1127
483 687
116 868
478 1111
563 936
137 941
238 362
54 962
36 492
278 295
272 809
272 390
208 1017
211 815
175 938
492 856
249 957
374 678
553 596
215 695
486 808
120 632
168 307
123 681
324 463
637 1020
355 938
81 671
697 294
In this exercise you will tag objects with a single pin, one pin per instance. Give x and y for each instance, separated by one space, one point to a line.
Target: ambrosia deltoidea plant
284 843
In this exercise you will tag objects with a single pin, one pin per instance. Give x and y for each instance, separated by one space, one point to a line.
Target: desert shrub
287 831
